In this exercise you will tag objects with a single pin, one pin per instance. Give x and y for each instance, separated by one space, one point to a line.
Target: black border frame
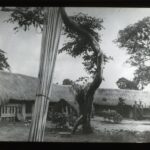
73 3
77 3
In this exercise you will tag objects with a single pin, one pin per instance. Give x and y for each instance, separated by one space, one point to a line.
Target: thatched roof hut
111 96
23 88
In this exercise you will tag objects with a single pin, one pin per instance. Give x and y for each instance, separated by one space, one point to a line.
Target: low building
106 99
18 94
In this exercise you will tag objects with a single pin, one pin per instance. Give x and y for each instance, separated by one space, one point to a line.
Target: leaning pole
50 40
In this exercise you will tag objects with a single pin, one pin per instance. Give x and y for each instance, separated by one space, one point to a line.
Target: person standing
140 107
121 107
135 107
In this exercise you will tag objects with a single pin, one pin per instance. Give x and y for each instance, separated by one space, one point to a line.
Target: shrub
49 115
60 119
112 115
117 118
71 120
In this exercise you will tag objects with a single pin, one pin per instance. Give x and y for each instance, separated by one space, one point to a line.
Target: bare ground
127 131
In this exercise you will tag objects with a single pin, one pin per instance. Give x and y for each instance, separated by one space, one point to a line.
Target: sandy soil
99 124
127 131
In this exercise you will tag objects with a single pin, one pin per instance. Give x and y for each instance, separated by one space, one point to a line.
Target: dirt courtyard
140 126
126 131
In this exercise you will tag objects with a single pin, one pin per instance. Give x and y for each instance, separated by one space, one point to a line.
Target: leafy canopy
124 83
67 82
76 45
26 17
135 39
79 45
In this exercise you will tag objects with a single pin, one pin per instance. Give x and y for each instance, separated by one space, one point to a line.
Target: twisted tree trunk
89 91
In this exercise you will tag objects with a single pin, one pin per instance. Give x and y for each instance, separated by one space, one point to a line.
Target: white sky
23 48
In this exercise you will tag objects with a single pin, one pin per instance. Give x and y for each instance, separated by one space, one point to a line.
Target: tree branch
74 26
95 46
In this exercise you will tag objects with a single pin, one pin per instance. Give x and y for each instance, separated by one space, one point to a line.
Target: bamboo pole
49 46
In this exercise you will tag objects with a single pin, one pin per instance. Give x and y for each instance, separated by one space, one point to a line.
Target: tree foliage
124 83
79 45
135 39
67 82
26 17
3 61
75 45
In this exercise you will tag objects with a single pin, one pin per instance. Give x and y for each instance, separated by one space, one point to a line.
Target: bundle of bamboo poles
49 47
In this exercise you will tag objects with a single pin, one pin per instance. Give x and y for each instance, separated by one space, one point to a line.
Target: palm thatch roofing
73 104
111 97
23 88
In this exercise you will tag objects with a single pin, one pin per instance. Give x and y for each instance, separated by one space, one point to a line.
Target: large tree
82 32
85 94
135 39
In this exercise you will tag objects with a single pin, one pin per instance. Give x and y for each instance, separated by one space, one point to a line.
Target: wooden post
32 108
50 40
24 111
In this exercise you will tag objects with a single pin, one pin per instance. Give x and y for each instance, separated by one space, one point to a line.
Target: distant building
109 98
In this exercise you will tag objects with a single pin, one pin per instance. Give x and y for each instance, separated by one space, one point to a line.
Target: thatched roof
111 96
73 104
23 88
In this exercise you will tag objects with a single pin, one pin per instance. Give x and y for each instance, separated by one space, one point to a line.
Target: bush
60 119
71 120
49 115
112 115
117 118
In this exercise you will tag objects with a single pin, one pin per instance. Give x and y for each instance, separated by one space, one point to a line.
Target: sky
23 48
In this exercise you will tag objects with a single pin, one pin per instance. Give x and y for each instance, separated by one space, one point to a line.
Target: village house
18 93
108 99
